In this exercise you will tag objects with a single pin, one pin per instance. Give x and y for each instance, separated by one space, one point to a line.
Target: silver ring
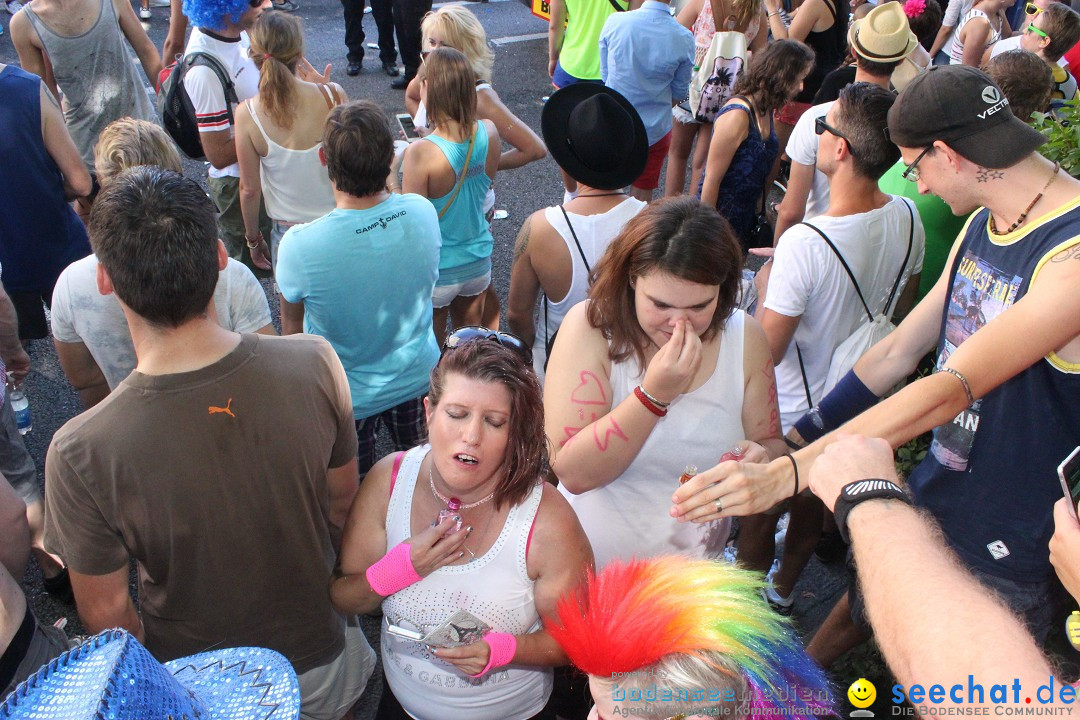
719 507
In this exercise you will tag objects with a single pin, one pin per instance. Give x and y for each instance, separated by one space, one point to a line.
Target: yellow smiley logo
862 693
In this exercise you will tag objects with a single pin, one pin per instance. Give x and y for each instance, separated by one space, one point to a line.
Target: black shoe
59 587
390 68
402 82
354 69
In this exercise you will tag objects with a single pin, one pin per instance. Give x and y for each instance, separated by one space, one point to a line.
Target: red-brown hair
678 236
487 361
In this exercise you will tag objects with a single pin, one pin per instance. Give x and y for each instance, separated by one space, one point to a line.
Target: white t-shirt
802 149
81 314
205 90
809 282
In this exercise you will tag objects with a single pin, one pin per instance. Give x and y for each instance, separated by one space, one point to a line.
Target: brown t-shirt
215 482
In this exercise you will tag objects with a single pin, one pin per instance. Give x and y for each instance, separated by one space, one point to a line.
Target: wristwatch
860 491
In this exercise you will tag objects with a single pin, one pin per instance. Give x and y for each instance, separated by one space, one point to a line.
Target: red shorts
789 114
650 176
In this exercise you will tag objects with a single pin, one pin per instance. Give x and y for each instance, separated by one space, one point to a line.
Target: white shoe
13 6
144 14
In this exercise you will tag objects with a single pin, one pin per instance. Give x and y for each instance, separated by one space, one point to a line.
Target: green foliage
1063 137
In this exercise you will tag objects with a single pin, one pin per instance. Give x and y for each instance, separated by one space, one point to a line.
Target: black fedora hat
595 135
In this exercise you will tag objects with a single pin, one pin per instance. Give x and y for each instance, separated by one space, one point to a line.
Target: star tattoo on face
986 174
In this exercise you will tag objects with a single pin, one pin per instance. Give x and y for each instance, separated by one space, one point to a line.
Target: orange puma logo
212 409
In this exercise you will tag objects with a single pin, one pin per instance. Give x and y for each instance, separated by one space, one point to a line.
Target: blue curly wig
212 13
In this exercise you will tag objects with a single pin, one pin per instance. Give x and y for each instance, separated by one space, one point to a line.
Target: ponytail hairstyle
277 44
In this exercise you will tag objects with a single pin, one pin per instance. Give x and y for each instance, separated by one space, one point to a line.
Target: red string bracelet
649 404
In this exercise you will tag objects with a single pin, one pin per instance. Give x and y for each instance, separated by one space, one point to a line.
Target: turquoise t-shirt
365 278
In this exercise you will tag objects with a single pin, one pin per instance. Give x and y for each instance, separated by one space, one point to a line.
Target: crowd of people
561 495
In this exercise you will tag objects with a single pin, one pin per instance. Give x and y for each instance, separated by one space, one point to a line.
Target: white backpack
876 327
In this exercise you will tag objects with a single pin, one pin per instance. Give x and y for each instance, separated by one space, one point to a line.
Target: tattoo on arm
987 174
613 429
1072 253
774 412
522 242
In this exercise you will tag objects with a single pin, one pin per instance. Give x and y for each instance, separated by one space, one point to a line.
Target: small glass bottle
453 507
21 405
689 472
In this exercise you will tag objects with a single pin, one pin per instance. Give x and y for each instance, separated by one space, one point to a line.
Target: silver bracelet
963 381
659 403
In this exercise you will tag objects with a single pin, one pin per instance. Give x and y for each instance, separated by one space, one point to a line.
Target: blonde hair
277 44
451 89
128 142
458 28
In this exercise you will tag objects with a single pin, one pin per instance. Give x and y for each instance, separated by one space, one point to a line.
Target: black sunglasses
821 127
476 332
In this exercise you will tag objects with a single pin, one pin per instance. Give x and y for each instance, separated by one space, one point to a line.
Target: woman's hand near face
672 369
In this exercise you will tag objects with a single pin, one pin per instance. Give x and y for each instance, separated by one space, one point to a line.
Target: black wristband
860 491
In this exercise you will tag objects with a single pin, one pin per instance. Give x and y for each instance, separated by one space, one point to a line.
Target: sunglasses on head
476 332
1032 9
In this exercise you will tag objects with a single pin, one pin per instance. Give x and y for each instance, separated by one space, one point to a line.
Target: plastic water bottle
21 406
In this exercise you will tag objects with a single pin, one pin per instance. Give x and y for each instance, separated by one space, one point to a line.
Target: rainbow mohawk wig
633 614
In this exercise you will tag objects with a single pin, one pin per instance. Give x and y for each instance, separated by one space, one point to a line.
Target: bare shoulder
558 531
376 486
576 324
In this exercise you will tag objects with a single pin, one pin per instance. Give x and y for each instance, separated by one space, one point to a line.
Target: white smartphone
404 632
1069 474
408 129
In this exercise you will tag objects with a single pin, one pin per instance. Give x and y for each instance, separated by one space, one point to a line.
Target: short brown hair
128 142
527 445
772 73
678 236
358 147
155 233
451 89
1062 24
1025 80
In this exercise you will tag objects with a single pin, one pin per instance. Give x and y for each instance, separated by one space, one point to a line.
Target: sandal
260 254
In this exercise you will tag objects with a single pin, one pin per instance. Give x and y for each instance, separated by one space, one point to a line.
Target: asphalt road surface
520 44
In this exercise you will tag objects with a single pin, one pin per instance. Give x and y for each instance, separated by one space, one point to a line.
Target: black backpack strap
576 241
805 382
201 58
847 269
615 4
907 256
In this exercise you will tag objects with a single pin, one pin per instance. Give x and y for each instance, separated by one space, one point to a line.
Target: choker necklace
446 501
1023 215
607 194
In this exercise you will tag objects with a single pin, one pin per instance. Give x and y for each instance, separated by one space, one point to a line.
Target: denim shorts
443 295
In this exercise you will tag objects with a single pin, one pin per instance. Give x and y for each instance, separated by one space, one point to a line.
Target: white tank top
628 517
495 587
595 233
295 185
956 53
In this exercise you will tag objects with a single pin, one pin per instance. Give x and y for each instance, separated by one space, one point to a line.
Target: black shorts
30 307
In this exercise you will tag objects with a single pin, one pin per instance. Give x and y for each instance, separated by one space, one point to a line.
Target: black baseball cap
962 107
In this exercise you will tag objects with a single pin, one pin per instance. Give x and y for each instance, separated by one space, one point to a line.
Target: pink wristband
393 572
503 646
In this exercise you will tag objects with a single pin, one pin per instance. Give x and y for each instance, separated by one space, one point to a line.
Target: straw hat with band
962 107
595 135
884 35
112 676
